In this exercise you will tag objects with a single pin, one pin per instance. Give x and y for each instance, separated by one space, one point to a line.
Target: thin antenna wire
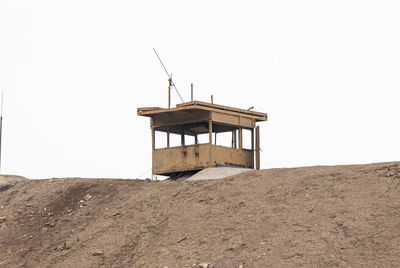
165 69
169 76
1 124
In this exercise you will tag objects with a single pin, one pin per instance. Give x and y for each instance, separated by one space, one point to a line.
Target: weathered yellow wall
173 159
229 156
168 160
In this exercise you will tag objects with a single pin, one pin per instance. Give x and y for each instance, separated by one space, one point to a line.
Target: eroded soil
340 216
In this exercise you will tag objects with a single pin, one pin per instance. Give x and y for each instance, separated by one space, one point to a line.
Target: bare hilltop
322 216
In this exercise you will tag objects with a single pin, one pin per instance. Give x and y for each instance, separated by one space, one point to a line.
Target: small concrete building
199 127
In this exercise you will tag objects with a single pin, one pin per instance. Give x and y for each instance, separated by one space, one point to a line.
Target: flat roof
198 105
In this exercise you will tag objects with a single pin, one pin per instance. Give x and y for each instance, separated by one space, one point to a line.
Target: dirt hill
339 216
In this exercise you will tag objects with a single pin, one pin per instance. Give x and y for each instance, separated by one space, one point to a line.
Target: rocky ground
339 216
7 181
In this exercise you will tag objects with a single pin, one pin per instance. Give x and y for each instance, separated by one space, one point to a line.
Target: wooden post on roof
258 147
191 91
169 92
167 139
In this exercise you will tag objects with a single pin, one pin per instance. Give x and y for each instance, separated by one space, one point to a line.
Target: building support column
153 134
153 144
252 140
183 138
234 143
258 148
210 164
240 138
210 131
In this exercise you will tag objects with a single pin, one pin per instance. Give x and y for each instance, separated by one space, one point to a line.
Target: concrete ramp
216 173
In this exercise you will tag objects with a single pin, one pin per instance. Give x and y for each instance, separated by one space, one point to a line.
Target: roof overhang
202 106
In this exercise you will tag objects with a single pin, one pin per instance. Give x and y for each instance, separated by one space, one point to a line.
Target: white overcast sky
74 72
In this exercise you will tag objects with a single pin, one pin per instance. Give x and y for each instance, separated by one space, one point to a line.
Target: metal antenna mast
1 124
169 75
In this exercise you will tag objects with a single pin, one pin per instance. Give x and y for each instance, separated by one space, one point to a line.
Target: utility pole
1 124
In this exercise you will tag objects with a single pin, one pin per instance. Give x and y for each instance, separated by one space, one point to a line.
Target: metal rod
191 92
169 94
1 125
167 139
173 84
165 69
212 99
